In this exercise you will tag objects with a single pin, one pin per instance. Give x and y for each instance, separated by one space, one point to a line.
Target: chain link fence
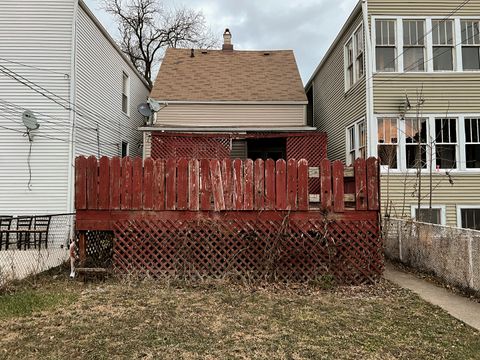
32 244
451 254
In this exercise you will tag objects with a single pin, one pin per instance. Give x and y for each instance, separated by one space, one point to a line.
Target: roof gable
216 75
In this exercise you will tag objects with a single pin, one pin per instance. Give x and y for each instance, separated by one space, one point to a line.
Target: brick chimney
227 41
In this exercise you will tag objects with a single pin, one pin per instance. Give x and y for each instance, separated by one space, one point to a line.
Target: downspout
371 125
72 95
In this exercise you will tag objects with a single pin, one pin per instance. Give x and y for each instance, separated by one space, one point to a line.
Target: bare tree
147 28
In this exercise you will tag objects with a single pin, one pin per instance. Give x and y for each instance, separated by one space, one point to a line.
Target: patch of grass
150 320
27 302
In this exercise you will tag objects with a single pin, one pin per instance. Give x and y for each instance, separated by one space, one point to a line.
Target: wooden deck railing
215 185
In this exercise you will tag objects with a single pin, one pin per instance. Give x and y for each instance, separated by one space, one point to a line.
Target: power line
48 94
65 75
55 138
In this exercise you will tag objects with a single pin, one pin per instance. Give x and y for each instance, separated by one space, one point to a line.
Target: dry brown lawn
54 318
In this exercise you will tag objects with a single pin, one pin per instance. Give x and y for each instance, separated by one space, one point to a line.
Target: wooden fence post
373 184
238 184
170 182
182 184
82 247
81 183
115 183
126 183
269 184
137 182
159 184
249 185
217 186
194 184
148 184
326 185
360 184
303 195
259 180
338 187
92 183
292 185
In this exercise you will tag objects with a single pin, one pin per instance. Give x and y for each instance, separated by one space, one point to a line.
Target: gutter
211 129
229 102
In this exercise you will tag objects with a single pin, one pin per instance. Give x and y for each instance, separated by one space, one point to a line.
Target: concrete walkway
458 306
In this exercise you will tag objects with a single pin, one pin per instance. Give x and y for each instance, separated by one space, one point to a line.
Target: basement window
472 143
470 218
428 215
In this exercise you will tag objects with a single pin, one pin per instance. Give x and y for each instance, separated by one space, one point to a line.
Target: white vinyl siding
101 73
231 115
37 34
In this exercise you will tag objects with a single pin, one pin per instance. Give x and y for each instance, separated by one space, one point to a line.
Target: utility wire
53 97
65 75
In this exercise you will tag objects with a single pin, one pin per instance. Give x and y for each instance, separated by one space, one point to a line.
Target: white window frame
459 213
456 144
442 208
453 46
126 91
423 47
397 144
357 147
463 144
352 39
457 46
401 160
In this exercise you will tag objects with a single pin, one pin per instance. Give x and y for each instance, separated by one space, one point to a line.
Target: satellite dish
155 105
30 121
144 109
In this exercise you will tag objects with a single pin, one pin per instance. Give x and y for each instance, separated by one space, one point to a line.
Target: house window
446 143
125 149
388 142
356 141
351 145
354 58
472 143
416 143
359 53
125 93
414 45
471 44
443 46
385 38
428 215
470 218
349 75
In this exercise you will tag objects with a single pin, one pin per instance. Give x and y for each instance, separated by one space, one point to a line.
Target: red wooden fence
211 217
214 185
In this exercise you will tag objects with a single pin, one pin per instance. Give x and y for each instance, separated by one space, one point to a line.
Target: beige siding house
220 103
406 87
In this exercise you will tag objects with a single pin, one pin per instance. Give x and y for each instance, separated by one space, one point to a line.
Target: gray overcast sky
306 26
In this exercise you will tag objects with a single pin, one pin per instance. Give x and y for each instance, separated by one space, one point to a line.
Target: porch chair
41 226
5 223
23 232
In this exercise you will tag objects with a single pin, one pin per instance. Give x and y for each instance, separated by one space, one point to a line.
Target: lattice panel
313 148
274 250
190 147
99 249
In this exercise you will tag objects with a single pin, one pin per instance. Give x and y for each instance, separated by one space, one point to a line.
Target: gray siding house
402 81
57 61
